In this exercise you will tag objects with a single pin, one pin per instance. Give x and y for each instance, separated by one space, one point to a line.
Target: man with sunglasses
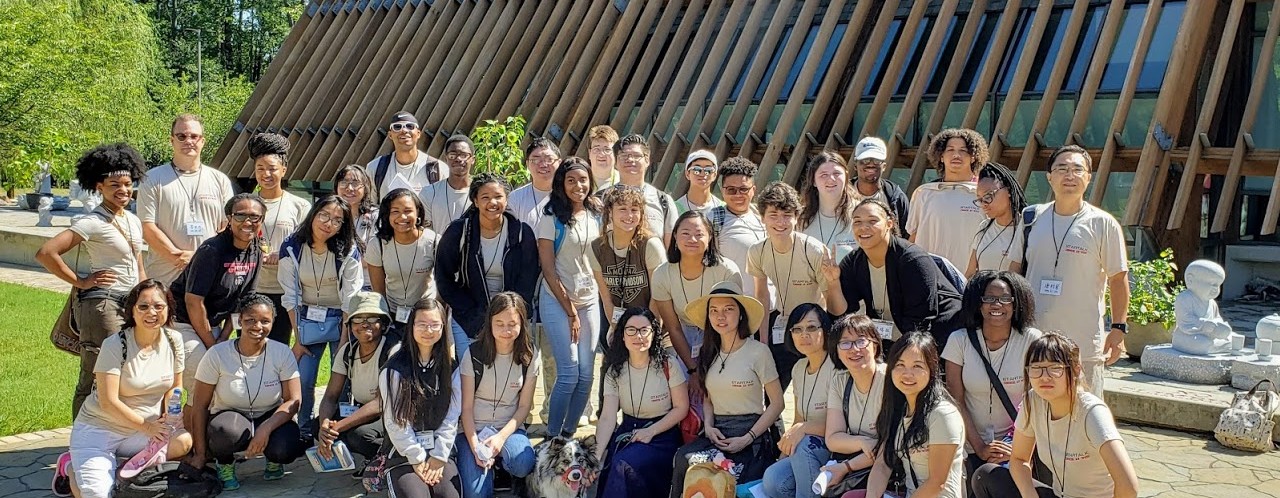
869 159
700 169
413 168
180 203
446 200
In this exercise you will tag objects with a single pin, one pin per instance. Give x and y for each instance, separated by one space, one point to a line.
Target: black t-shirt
221 274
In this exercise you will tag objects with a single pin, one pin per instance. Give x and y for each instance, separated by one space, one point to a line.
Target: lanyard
190 195
804 380
261 371
685 293
1048 435
404 277
318 275
828 238
993 240
784 285
497 248
862 415
505 382
1053 232
635 407
271 226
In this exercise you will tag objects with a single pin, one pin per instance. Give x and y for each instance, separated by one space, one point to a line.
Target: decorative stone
1269 328
45 209
1248 370
1166 362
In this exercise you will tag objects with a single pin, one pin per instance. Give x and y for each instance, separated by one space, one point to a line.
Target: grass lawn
38 380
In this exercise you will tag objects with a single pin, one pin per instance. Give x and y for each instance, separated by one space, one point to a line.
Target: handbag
376 477
1248 422
64 335
691 425
313 332
851 481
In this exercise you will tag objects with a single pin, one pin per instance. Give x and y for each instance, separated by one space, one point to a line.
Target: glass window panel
977 55
1266 133
827 55
773 63
746 69
1157 60
1023 118
949 49
720 75
1097 127
1055 133
1047 52
1085 47
918 43
881 58
1019 42
798 64
1118 63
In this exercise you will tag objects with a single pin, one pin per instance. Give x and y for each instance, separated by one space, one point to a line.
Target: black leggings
994 481
282 327
407 484
229 432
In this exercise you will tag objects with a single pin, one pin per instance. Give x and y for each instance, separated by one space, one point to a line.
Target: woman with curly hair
943 217
285 212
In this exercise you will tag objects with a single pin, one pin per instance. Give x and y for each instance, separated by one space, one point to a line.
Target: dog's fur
556 458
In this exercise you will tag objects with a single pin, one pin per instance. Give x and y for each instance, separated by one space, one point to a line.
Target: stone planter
1142 335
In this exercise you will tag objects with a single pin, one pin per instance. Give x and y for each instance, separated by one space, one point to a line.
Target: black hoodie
464 289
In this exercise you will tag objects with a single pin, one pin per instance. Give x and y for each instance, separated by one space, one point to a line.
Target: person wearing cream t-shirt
285 213
737 224
854 395
678 283
942 217
828 198
803 447
541 160
633 161
998 243
406 166
448 198
351 408
401 269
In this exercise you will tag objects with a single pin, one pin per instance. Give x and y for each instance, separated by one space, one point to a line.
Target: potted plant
1152 289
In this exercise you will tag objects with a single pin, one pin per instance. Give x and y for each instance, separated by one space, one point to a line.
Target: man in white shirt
633 162
446 200
737 224
541 159
1075 254
602 138
943 217
181 203
413 168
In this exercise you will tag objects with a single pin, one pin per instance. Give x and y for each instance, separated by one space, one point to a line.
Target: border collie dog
563 463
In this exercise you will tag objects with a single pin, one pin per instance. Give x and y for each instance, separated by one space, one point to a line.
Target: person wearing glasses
1070 429
1076 256
402 257
870 157
943 218
648 384
285 212
804 450
999 309
223 270
632 152
854 397
354 186
700 171
354 416
541 159
998 244
180 203
828 199
320 273
737 223
446 200
412 169
602 138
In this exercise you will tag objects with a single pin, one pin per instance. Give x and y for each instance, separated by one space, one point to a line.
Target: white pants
94 451
195 350
1092 373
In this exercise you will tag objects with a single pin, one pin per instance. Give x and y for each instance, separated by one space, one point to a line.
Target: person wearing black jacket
469 276
869 159
898 282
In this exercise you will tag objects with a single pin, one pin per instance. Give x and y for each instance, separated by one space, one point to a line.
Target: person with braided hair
998 244
285 212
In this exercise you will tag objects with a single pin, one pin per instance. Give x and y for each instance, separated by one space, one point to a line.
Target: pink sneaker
62 475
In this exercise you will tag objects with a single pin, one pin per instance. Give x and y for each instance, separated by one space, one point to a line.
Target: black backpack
171 479
384 164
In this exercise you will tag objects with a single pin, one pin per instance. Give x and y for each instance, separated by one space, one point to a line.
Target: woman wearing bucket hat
356 420
743 397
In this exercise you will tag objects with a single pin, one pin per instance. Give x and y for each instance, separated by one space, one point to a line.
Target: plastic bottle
173 412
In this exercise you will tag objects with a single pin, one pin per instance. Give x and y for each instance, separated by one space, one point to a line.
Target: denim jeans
308 368
575 362
517 458
460 340
793 476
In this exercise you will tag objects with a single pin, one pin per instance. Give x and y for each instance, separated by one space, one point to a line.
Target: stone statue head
1204 278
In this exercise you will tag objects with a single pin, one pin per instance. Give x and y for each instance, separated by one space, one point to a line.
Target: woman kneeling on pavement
246 395
357 419
134 375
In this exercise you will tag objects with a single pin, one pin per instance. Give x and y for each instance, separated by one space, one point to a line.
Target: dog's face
566 462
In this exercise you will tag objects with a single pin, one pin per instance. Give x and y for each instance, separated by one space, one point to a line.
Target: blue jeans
793 476
308 368
517 458
460 340
575 363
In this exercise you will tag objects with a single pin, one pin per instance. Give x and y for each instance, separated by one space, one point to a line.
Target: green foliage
33 401
1152 290
498 149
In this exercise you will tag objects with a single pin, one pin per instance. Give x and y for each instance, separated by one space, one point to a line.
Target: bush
498 149
1152 290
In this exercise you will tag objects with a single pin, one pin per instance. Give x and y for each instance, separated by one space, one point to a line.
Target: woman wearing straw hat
738 375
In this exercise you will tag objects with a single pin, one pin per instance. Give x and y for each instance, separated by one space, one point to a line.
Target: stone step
1146 400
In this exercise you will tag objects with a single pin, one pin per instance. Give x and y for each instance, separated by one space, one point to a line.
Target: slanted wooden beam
1049 98
1009 105
1128 89
919 83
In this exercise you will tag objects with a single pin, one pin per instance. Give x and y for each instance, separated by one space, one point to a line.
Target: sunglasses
243 217
997 299
810 330
366 320
859 343
702 170
403 126
989 198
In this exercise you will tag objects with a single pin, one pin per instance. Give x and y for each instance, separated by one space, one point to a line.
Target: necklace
244 367
725 356
635 407
685 292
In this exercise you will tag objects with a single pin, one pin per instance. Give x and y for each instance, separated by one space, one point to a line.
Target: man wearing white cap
413 168
869 158
700 169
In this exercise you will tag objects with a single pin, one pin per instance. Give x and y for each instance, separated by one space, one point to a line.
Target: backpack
477 369
349 358
170 479
718 216
384 164
174 345
1029 216
950 271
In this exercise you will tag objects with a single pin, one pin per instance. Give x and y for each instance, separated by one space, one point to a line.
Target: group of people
442 295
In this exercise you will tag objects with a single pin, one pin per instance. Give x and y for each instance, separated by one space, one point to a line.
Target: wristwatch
1122 327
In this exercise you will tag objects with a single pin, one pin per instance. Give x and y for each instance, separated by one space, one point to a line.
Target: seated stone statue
1200 328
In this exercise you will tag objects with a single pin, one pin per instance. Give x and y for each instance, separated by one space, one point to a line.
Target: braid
1005 178
266 144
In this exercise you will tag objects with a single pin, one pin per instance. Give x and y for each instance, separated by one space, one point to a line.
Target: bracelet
847 467
752 434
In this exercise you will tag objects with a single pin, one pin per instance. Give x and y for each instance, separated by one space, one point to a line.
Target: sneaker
358 474
227 474
274 471
62 475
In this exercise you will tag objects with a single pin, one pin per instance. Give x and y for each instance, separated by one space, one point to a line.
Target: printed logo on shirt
1012 381
207 197
1076 456
802 282
271 383
240 268
742 383
658 398
968 209
1075 249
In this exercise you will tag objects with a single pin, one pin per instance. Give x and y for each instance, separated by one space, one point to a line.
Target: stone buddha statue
1200 328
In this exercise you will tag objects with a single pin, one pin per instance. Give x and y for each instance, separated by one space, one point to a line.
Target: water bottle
173 412
154 452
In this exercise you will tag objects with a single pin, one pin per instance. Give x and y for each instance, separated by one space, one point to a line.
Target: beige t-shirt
144 380
411 176
110 242
735 382
572 265
491 255
659 211
284 215
645 392
880 296
736 237
1071 446
498 392
171 202
860 415
443 204
997 247
985 409
408 268
943 219
252 385
1093 249
946 426
319 276
833 233
363 373
797 273
527 203
811 390
668 285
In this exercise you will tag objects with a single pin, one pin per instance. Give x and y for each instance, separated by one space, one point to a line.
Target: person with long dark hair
853 399
919 430
423 403
352 184
803 447
646 382
496 252
743 397
568 300
320 273
1060 417
402 257
499 374
285 212
356 419
998 243
999 310
828 197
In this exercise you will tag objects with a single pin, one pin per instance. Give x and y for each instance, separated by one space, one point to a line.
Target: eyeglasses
1070 170
642 331
332 220
365 320
859 343
810 330
148 307
870 163
631 156
459 156
1056 371
428 327
997 299
352 184
403 126
543 159
183 137
737 190
243 217
602 150
702 170
987 198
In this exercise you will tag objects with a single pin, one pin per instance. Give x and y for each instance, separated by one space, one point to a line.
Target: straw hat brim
697 309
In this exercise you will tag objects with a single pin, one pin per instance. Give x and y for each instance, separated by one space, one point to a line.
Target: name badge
617 314
1051 287
317 313
779 328
347 409
195 228
427 439
884 328
402 314
583 282
235 321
